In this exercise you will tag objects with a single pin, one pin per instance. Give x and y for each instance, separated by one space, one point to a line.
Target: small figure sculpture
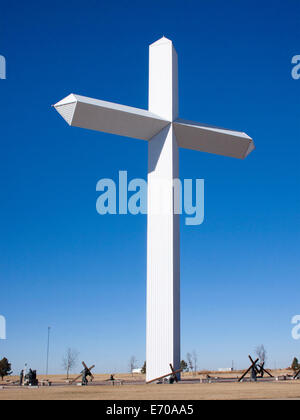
21 377
85 374
253 374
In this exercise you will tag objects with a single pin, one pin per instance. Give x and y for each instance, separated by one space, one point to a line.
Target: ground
136 389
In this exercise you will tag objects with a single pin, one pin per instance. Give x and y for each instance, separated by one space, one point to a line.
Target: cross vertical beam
163 79
163 252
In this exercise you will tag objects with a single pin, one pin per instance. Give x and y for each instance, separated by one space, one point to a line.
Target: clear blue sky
64 265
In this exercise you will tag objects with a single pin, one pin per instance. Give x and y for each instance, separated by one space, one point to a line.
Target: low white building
138 370
225 369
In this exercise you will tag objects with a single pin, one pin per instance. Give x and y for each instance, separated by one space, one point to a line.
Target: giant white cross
165 133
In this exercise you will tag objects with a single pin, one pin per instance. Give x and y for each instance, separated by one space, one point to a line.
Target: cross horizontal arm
94 114
210 139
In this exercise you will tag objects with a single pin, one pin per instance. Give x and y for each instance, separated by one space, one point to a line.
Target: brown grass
182 391
227 391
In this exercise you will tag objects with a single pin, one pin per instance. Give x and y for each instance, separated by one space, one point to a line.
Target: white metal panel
210 139
163 79
67 111
94 114
67 100
163 267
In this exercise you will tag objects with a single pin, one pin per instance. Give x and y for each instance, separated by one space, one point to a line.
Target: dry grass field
214 391
60 390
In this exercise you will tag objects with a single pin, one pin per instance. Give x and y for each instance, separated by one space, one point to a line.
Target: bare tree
195 360
190 361
261 353
70 360
132 364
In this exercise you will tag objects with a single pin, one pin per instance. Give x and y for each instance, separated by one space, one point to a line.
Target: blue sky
64 265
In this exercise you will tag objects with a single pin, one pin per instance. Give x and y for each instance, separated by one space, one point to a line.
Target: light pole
48 350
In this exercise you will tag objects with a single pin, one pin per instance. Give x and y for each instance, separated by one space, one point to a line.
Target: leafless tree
70 360
190 361
261 353
132 364
195 361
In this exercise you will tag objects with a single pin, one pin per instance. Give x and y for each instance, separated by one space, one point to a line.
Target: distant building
139 370
225 369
